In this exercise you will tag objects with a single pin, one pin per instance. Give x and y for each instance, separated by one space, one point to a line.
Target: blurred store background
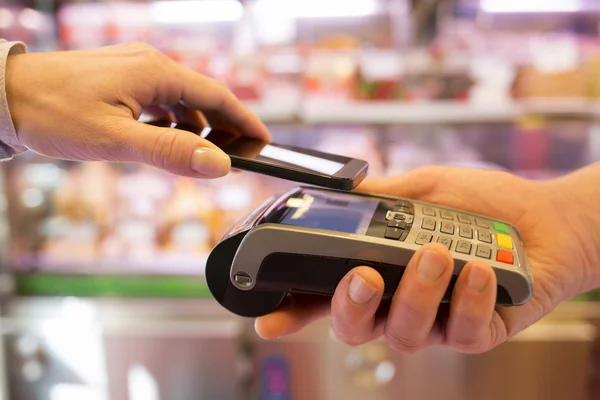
102 287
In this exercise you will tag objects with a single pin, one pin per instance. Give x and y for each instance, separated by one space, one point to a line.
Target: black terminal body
308 239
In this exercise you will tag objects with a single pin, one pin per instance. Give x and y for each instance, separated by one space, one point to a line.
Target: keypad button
500 227
429 211
466 232
403 208
399 217
447 227
404 235
484 251
505 256
464 219
504 241
394 215
397 224
484 236
393 233
424 238
482 223
446 241
446 215
428 224
463 246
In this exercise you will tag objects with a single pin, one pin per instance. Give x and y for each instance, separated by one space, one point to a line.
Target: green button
500 227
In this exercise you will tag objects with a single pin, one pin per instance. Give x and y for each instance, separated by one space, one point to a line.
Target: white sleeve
9 143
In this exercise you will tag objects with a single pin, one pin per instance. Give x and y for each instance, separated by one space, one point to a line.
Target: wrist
576 198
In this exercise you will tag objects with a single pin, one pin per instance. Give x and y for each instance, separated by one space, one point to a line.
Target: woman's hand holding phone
85 105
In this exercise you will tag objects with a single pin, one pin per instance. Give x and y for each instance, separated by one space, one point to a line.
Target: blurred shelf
29 306
392 112
402 113
559 107
274 113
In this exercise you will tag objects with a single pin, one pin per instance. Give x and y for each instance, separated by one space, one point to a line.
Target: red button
505 256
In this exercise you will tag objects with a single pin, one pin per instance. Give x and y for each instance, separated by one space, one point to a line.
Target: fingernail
431 266
210 162
478 278
361 291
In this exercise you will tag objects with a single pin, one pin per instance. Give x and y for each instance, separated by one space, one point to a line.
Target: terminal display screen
330 211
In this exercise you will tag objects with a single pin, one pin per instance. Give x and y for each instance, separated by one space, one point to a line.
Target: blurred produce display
272 51
123 218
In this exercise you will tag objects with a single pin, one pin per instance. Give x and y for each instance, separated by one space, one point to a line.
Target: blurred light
343 67
294 202
64 391
234 197
275 9
6 18
75 337
75 309
190 234
192 11
57 226
142 385
555 55
27 346
385 372
136 230
46 175
32 371
31 19
533 6
275 31
284 63
33 198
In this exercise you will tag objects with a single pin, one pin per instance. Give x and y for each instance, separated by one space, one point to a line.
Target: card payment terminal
306 240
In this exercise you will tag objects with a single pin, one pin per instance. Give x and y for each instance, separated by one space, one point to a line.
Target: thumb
176 151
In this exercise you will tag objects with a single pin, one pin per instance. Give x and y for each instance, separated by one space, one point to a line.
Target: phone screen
278 154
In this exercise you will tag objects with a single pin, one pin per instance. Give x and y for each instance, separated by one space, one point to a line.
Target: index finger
220 106
294 314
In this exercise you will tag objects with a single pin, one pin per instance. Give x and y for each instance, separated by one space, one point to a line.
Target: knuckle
401 342
346 336
413 311
163 150
146 47
471 335
227 100
141 47
469 343
405 336
498 332
146 52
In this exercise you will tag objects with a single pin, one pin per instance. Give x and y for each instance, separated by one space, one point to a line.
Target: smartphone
287 162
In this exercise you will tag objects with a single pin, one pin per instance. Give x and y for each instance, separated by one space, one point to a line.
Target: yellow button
504 241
